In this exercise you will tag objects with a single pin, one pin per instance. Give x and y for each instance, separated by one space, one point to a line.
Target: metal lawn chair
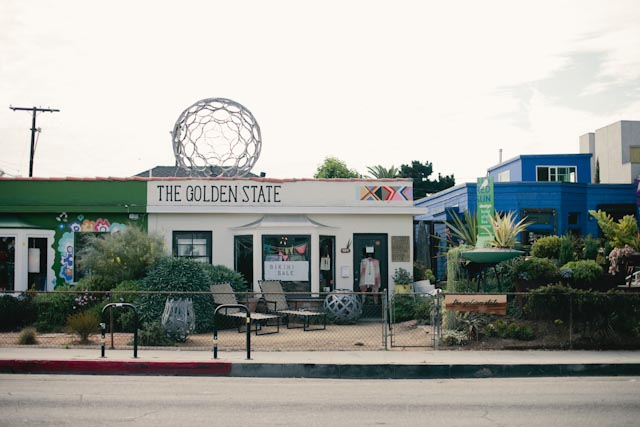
223 295
276 302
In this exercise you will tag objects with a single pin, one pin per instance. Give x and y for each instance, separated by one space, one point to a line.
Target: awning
282 221
12 221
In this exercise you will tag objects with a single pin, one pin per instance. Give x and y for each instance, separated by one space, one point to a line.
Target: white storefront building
311 234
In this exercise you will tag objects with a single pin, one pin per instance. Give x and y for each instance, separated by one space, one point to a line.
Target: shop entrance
370 247
244 258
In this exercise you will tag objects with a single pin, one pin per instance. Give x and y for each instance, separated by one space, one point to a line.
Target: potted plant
402 279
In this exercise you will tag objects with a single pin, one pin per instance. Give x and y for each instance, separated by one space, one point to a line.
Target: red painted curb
114 367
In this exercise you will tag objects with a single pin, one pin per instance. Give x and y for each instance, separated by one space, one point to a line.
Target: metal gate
415 320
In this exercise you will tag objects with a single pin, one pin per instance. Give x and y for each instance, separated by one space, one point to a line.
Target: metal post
215 328
102 338
385 308
135 318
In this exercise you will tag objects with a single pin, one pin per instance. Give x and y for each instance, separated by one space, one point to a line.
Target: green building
44 222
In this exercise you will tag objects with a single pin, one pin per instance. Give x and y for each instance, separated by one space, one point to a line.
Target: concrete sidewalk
322 364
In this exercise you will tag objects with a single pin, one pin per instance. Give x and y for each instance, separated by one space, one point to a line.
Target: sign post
484 197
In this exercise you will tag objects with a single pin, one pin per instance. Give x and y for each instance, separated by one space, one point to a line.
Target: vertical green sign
484 198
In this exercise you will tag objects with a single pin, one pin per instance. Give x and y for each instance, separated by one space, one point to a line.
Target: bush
126 255
53 308
584 272
423 309
451 338
28 337
595 314
404 307
591 247
15 312
519 332
567 250
83 324
535 271
153 334
182 275
221 273
546 247
123 319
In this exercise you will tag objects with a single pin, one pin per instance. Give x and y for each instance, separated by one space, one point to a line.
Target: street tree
420 174
332 167
380 172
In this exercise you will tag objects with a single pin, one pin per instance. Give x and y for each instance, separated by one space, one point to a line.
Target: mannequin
370 276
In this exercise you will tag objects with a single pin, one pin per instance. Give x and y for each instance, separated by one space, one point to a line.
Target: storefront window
286 258
7 263
192 244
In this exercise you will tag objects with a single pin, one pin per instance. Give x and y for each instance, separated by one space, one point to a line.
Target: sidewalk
338 364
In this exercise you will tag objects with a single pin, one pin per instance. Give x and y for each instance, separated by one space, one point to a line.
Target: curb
113 367
360 371
312 370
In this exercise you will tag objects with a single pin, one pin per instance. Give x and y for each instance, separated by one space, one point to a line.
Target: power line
33 129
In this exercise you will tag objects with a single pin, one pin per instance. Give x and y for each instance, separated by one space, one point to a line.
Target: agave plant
464 230
505 230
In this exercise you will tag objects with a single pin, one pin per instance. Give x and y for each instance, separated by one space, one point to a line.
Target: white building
310 234
616 150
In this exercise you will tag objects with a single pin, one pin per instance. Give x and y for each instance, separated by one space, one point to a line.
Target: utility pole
33 129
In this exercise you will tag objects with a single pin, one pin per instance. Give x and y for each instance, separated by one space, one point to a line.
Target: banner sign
484 198
488 304
286 271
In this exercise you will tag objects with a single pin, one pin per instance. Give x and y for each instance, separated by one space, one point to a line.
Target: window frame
553 173
195 234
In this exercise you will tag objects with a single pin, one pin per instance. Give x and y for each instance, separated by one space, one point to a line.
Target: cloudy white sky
369 82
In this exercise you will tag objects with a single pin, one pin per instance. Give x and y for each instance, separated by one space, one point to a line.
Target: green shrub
53 308
15 312
546 247
537 271
153 334
591 247
28 337
451 338
182 275
490 330
423 309
221 273
404 307
519 332
83 324
123 319
567 250
126 255
585 271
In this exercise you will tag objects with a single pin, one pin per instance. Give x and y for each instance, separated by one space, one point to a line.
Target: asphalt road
193 401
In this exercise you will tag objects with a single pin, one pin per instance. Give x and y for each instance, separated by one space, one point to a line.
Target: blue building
554 192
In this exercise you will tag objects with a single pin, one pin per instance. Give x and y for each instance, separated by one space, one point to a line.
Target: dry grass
363 336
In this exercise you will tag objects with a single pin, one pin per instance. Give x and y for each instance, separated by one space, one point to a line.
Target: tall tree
379 171
422 185
332 167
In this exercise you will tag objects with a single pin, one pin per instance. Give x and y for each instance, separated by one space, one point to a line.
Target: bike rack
215 328
103 327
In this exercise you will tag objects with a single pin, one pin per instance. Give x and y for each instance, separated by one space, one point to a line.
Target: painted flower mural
66 244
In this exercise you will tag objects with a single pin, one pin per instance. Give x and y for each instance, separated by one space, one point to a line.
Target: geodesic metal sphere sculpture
216 137
343 306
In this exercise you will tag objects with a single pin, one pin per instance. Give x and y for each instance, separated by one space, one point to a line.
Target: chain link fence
63 319
549 318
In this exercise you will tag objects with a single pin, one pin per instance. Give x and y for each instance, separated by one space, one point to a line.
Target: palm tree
380 172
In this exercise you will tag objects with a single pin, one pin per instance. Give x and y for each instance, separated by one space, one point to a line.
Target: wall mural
386 192
66 244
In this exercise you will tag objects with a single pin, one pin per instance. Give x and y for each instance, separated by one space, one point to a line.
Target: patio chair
223 294
274 295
